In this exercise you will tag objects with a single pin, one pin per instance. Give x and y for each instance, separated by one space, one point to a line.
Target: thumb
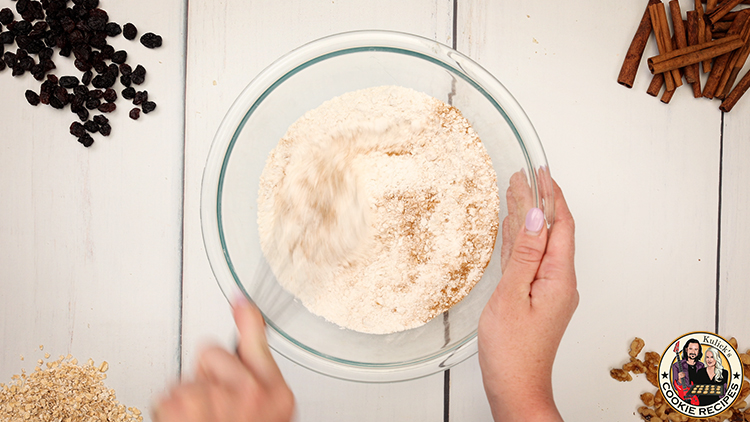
526 255
253 347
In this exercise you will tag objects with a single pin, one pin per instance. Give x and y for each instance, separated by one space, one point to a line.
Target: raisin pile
79 28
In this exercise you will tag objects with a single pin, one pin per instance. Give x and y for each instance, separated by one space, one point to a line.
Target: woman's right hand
522 324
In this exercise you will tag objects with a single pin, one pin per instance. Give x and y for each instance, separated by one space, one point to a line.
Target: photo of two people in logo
689 371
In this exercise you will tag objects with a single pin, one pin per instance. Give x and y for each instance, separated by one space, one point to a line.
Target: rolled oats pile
63 391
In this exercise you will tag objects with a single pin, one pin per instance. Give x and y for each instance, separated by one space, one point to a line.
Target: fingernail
534 221
238 298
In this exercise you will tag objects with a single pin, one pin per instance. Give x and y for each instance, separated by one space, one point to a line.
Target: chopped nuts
636 346
63 392
620 375
647 399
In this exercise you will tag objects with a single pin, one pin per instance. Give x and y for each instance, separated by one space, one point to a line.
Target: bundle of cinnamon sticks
714 37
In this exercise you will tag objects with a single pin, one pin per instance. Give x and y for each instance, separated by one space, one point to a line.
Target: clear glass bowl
300 81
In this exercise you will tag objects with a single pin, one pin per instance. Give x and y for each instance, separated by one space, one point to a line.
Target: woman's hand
521 327
246 386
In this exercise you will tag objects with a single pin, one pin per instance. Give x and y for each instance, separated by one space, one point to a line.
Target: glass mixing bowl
300 81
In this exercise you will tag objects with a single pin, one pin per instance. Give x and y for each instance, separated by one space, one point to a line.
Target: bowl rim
261 86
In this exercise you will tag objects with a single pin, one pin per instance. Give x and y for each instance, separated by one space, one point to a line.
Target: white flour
379 209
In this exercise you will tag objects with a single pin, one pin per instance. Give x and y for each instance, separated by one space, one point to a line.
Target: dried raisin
129 31
87 76
119 56
135 113
10 59
22 6
61 94
69 81
83 114
86 140
18 71
148 106
77 129
140 97
26 63
45 54
139 75
6 16
91 126
112 29
81 90
110 95
93 103
103 81
128 93
107 107
101 119
151 40
7 37
32 97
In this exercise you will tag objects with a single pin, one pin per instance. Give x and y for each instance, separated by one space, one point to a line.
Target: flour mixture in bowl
379 209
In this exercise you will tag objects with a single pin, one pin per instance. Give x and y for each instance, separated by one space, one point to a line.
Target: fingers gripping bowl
301 81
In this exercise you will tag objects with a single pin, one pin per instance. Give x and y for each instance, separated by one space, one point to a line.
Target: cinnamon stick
667 96
693 54
702 32
678 24
720 10
655 86
693 39
711 5
635 51
668 42
743 2
680 36
721 26
660 40
736 71
729 16
736 62
731 100
697 93
707 36
720 64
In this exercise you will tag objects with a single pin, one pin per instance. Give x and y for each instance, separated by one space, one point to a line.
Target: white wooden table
101 252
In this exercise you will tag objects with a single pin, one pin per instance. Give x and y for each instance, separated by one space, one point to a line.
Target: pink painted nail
238 298
534 221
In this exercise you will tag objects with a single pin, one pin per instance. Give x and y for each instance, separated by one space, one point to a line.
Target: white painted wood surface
735 227
90 239
96 246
